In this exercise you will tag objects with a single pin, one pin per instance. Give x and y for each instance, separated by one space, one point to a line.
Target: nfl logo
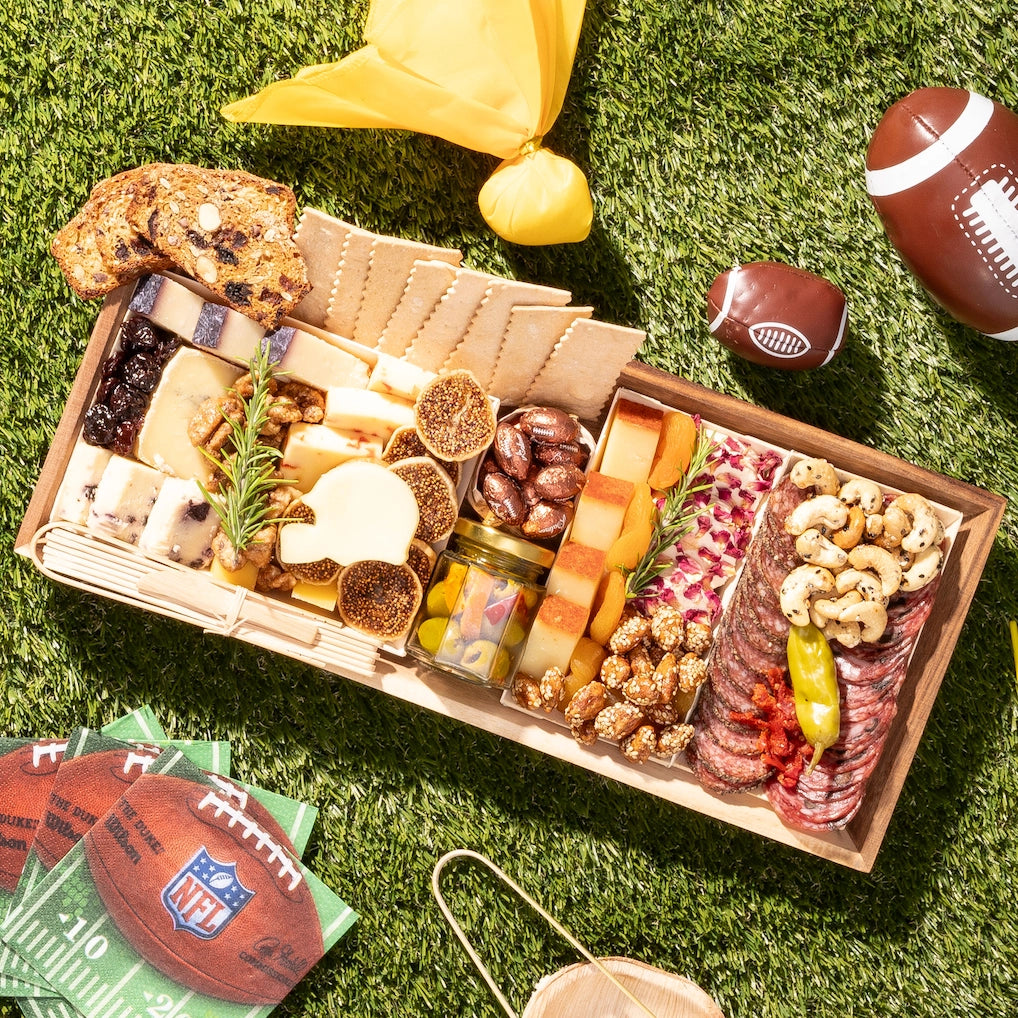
204 896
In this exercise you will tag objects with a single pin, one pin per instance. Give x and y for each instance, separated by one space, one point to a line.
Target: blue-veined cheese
181 525
77 489
124 498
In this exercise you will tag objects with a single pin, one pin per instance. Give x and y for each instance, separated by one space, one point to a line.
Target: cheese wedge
226 333
362 511
189 378
312 449
309 359
632 441
181 525
576 573
373 413
77 489
124 498
600 510
553 637
396 377
168 304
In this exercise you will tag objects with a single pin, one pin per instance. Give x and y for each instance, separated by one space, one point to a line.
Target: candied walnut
629 634
697 637
274 577
615 671
642 689
667 628
584 733
673 739
692 672
311 401
639 746
283 410
527 692
587 702
211 417
279 501
617 720
244 386
552 687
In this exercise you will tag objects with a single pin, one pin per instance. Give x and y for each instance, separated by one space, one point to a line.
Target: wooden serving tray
857 845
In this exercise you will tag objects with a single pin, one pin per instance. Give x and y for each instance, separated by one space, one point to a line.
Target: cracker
529 340
320 238
392 259
440 334
427 282
478 350
348 288
581 373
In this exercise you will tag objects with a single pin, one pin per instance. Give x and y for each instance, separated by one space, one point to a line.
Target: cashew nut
848 634
925 567
829 609
870 615
866 583
896 526
795 592
869 556
923 525
866 494
816 473
851 534
823 511
814 548
874 525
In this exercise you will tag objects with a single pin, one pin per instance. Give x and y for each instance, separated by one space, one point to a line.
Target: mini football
940 170
26 779
777 315
203 893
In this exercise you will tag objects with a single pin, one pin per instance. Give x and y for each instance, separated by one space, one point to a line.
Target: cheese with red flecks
312 449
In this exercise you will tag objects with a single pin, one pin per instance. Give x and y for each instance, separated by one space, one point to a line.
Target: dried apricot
642 507
585 664
674 450
629 547
612 602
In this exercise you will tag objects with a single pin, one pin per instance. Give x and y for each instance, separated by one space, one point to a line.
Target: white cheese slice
77 489
395 377
181 525
312 449
373 413
307 358
168 304
226 333
189 378
362 511
124 498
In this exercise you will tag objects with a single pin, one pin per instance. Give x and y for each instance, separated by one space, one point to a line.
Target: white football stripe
1011 336
836 345
726 304
925 164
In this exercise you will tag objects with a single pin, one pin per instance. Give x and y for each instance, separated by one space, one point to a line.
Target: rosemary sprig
242 503
674 519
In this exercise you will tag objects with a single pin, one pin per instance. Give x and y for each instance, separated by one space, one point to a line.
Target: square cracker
427 283
348 288
320 238
478 350
438 336
529 339
392 260
582 371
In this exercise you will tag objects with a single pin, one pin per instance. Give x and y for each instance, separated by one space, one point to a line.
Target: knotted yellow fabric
489 75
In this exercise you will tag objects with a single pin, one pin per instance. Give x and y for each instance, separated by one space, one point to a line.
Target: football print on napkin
177 895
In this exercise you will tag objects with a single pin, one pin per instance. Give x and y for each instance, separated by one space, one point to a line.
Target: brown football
940 170
777 315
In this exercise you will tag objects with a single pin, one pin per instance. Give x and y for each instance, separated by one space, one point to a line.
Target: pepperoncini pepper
815 685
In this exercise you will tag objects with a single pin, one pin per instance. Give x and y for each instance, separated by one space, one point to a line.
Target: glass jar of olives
480 603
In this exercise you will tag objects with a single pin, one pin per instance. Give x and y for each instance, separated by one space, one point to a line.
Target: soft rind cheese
600 510
373 413
632 441
77 489
124 498
362 511
189 378
553 636
313 449
181 525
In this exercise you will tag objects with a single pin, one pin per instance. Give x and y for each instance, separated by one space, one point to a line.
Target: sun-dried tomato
782 744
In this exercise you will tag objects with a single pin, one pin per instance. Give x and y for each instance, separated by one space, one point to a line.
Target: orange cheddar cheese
553 637
632 441
600 510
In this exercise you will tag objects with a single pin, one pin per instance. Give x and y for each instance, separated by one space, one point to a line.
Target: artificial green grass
712 133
